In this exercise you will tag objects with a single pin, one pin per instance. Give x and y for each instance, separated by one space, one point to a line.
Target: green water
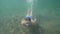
47 13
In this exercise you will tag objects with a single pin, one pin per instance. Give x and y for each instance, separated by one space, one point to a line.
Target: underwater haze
47 13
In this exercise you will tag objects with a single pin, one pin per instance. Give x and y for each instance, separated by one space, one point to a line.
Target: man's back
28 23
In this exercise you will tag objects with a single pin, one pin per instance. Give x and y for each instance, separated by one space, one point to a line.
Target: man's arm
23 21
33 20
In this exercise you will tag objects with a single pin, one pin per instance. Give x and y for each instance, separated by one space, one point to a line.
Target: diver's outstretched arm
33 20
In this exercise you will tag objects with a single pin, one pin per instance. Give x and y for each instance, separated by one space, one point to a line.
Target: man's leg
29 12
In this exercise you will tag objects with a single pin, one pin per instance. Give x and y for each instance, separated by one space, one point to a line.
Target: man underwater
28 19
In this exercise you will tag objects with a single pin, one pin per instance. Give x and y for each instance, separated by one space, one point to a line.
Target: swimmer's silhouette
28 21
29 25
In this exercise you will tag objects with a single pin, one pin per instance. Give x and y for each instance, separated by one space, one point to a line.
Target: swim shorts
29 17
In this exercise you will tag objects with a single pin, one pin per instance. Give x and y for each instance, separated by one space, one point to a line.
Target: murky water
47 13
